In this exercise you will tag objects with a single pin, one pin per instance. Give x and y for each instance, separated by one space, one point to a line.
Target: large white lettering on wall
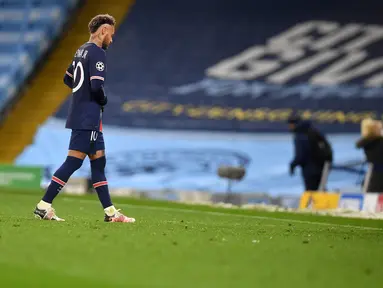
337 53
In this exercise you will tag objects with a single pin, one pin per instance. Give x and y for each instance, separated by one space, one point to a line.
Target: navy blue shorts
86 141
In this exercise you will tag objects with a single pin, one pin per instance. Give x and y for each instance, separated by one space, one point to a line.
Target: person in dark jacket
372 144
312 151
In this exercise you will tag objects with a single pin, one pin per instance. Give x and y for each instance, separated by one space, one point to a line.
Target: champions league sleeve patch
100 66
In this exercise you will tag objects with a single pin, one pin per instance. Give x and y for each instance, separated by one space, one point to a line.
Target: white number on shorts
93 136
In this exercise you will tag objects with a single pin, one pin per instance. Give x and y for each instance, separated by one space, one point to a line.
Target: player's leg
73 162
97 164
100 184
78 149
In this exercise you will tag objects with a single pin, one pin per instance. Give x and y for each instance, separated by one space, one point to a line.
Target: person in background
371 142
312 151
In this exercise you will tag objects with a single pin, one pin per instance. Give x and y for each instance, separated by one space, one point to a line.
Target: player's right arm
97 67
68 77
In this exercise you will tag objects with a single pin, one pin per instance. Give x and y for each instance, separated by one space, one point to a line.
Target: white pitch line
183 210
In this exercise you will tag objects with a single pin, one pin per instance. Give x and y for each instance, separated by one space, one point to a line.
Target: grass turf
174 245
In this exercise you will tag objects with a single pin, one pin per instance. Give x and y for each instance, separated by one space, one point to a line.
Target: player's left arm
68 77
97 63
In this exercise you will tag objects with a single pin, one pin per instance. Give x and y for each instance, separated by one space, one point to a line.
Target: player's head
102 27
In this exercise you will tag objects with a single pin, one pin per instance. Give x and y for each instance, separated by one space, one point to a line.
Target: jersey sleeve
68 77
97 65
69 71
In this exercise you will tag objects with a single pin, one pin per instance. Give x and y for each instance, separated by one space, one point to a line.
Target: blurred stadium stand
158 78
27 29
159 66
45 91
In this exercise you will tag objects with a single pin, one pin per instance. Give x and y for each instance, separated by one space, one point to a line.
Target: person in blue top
311 152
86 75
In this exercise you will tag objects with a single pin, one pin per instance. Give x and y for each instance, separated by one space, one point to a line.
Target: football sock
110 211
42 205
99 181
60 178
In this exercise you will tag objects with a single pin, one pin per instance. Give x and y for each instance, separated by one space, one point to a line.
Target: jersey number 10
77 86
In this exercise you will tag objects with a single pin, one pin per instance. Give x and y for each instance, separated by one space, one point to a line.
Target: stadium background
172 119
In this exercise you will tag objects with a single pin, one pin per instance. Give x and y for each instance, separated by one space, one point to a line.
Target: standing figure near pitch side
312 152
85 76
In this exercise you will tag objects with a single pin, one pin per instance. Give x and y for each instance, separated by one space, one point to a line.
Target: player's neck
95 40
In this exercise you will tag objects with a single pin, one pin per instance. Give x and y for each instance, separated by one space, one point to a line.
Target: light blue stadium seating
27 29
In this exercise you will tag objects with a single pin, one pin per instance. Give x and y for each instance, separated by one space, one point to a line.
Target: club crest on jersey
100 66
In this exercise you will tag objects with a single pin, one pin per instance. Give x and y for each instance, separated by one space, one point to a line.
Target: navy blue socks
99 181
60 178
66 170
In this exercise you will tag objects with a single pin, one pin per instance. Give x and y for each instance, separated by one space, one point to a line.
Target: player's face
108 32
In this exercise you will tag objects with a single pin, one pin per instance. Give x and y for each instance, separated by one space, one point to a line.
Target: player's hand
103 102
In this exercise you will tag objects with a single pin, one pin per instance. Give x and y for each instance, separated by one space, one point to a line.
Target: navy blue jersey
89 64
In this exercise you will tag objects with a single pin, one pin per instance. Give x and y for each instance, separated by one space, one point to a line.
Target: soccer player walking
85 76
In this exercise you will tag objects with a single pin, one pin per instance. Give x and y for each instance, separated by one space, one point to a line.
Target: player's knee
77 154
74 163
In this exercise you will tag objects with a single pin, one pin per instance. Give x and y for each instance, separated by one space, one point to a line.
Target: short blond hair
371 128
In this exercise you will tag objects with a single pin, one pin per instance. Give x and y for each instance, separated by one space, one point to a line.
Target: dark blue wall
168 44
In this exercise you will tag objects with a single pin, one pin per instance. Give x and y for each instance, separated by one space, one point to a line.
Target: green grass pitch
174 245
